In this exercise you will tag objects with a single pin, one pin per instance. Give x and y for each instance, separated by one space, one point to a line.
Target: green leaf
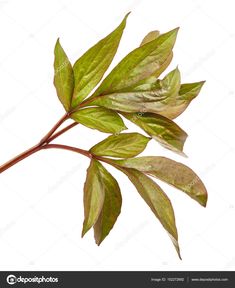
171 172
111 207
124 145
99 118
93 196
140 64
157 200
160 128
156 100
90 68
186 94
63 76
150 37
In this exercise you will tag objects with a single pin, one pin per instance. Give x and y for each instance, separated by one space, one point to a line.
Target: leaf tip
177 247
177 69
202 83
84 231
98 241
124 128
203 199
178 250
175 242
175 32
126 16
57 43
184 154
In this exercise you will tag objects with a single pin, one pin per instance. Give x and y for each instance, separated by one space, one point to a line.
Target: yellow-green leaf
150 37
171 172
93 196
124 145
63 76
90 67
156 100
111 207
186 94
99 118
160 128
139 64
157 200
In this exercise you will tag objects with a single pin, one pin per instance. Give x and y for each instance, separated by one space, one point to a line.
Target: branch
70 148
20 157
42 144
54 128
62 131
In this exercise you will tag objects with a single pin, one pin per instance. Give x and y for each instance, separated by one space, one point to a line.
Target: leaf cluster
132 90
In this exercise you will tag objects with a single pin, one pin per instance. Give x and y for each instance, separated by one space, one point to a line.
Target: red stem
54 128
70 148
20 157
62 131
44 141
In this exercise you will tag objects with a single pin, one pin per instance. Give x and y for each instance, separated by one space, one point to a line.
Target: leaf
111 207
164 65
160 128
99 118
91 66
171 172
186 94
63 76
94 196
150 37
124 145
140 64
157 200
156 100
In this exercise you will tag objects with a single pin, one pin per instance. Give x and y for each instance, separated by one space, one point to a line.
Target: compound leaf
140 64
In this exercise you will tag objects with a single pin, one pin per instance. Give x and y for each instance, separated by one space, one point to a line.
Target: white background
41 211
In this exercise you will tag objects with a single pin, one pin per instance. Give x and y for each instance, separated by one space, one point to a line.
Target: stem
54 128
44 141
70 148
20 157
62 131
